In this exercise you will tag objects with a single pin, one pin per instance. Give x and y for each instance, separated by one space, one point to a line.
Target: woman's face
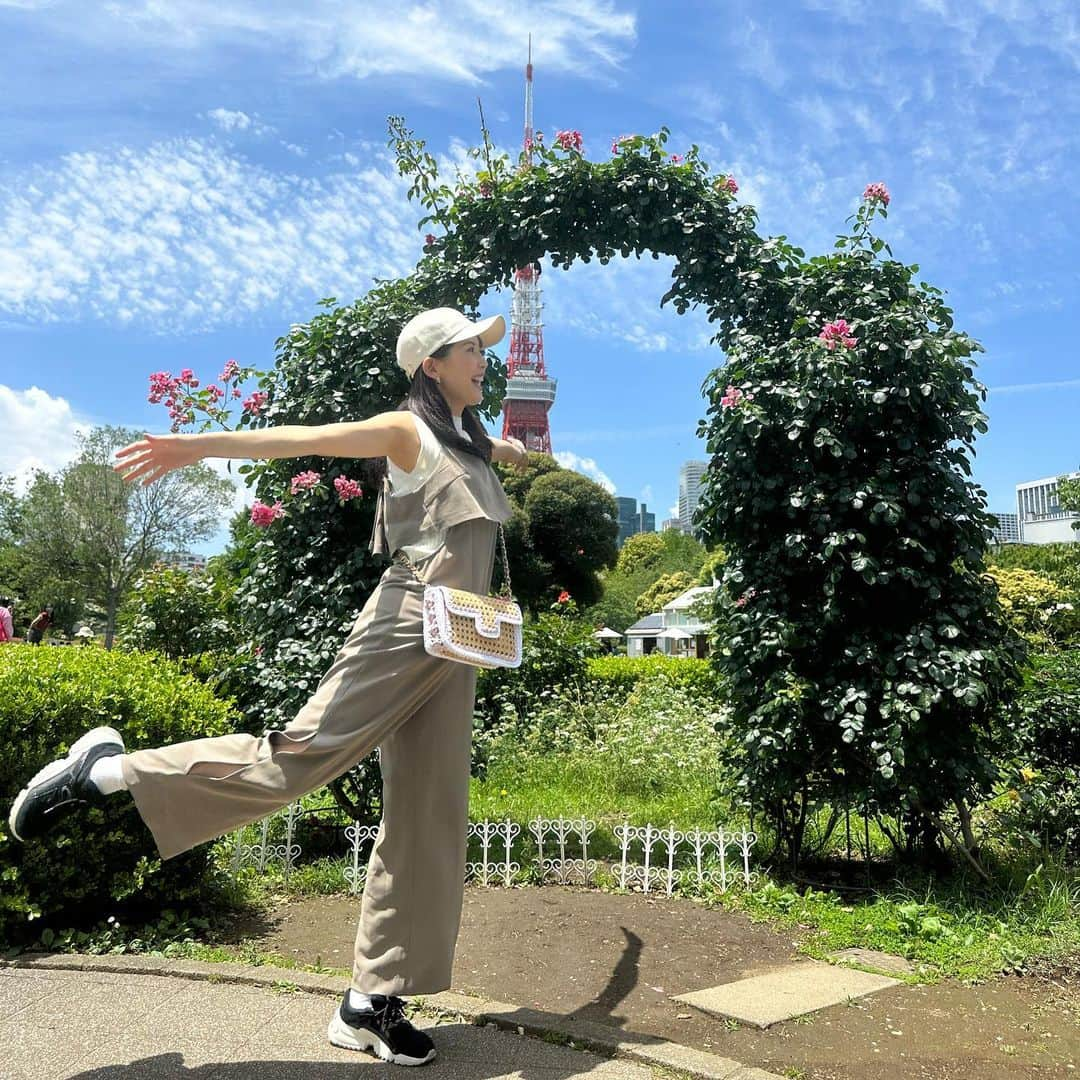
460 374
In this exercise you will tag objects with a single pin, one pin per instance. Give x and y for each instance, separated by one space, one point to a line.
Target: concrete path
59 1023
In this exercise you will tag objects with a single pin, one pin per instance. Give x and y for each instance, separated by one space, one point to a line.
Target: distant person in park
37 628
441 504
7 621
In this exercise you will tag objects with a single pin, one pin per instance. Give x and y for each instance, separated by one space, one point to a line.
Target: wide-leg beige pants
383 689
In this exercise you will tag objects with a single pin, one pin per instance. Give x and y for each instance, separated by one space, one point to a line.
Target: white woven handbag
484 631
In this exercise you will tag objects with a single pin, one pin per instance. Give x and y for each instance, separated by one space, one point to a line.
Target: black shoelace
392 1013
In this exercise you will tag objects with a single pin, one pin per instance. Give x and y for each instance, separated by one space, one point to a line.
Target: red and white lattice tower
529 391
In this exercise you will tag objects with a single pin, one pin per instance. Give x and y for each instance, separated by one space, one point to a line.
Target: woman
441 504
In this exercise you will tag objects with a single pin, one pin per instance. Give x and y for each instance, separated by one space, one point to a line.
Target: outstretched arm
390 434
508 450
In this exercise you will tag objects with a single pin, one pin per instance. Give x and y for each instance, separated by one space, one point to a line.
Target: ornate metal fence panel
356 870
564 870
719 840
263 853
489 832
646 874
650 858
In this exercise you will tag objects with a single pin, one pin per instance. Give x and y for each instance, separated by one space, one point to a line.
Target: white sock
107 776
358 1000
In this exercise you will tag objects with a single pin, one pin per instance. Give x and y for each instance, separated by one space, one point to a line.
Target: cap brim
490 332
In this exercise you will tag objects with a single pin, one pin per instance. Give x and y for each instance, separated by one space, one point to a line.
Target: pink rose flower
262 515
429 239
304 481
255 402
837 333
229 371
730 184
347 489
162 383
676 159
732 396
569 140
876 191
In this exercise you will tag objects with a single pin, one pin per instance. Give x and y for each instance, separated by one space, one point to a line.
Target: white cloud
432 39
229 119
39 433
587 467
646 494
187 235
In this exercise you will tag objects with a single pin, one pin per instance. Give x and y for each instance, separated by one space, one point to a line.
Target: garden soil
619 959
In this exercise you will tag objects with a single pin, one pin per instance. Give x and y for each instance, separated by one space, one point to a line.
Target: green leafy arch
863 648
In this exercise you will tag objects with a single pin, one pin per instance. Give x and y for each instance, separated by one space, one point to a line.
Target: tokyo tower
529 391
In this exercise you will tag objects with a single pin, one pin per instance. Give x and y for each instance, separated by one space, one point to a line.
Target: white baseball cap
430 330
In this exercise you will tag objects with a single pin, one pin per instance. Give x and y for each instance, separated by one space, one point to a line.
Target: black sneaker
63 785
383 1029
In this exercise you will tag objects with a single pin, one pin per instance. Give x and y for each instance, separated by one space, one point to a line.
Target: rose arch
863 649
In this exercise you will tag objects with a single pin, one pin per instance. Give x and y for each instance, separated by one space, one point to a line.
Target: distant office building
184 560
1007 530
1041 519
628 519
689 490
671 523
632 520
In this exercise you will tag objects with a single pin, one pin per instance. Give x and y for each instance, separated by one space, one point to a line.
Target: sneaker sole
81 745
347 1038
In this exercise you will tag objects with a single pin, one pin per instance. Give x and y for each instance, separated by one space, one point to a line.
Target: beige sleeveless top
458 487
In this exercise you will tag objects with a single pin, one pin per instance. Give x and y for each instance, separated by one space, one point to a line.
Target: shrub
626 672
177 613
659 733
1036 607
104 860
554 653
1042 780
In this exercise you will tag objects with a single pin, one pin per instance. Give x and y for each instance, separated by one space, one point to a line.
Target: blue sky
180 181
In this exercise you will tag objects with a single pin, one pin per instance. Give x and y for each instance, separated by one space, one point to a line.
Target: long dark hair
425 400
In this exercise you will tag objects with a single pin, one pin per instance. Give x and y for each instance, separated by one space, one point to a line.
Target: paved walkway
117 1025
81 1024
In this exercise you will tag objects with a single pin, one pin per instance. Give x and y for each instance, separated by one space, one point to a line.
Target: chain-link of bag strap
401 557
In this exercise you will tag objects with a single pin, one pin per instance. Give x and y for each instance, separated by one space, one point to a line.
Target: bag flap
487 612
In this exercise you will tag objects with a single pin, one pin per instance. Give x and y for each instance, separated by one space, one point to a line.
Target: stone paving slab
884 962
107 1018
791 991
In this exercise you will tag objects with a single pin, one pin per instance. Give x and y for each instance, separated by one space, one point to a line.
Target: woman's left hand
523 455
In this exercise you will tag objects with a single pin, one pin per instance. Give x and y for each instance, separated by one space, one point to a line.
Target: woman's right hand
155 455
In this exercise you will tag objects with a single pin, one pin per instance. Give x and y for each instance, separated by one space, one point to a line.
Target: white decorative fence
647 861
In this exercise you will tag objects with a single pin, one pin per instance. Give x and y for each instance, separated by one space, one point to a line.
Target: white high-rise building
1007 530
1042 521
690 475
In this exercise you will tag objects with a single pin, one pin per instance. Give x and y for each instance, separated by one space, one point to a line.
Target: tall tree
563 531
88 525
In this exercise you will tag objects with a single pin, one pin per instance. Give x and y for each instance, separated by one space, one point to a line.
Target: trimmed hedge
103 861
625 672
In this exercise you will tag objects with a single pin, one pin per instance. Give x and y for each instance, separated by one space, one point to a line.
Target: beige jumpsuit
382 690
